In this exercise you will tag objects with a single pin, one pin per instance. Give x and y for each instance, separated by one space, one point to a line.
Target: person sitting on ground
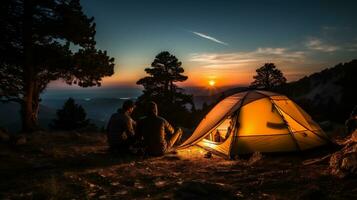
157 134
120 129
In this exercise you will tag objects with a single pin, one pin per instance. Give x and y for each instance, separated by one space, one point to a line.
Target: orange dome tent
256 121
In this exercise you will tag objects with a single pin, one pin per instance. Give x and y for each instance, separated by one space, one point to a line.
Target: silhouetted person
157 134
120 129
351 123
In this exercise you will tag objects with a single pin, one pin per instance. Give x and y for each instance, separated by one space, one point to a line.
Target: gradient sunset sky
224 41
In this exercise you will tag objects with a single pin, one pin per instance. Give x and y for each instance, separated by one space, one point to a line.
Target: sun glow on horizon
211 83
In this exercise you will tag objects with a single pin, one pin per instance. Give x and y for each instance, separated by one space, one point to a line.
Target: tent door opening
222 132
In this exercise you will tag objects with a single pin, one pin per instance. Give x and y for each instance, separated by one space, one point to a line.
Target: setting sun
212 82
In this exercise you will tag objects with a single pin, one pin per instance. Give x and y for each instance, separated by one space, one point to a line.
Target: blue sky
224 41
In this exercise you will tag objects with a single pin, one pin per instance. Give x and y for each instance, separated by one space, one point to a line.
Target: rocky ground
78 166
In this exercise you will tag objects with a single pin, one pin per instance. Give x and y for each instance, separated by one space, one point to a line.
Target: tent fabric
262 121
262 113
264 143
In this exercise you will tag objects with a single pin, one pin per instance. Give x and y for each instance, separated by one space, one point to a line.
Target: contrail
209 38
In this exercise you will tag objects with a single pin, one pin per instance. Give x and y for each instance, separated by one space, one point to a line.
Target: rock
344 162
21 140
349 162
257 156
138 185
335 165
115 183
354 136
160 184
4 137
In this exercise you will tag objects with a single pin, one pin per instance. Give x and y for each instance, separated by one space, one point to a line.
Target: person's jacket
120 128
153 129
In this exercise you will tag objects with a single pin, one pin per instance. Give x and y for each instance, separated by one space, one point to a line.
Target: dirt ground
78 166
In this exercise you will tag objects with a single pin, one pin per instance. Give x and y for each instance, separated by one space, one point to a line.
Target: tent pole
287 125
235 125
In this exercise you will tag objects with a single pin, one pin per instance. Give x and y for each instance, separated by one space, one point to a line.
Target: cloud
244 58
244 63
319 45
352 47
209 38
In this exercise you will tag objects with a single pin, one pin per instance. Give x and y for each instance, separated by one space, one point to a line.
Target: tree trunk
35 104
29 109
29 116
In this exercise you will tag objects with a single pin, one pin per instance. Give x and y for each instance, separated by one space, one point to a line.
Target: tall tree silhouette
37 45
268 77
160 86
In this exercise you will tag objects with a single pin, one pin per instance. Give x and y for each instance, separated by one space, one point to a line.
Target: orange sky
224 71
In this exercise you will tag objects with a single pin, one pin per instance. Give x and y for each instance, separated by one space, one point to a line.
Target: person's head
151 108
128 106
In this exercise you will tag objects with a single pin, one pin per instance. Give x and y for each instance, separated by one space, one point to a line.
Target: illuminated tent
256 121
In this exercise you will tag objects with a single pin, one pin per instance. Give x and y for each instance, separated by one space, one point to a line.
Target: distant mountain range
329 94
98 111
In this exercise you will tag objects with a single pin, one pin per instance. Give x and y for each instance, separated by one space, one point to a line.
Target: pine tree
37 45
268 77
159 86
70 117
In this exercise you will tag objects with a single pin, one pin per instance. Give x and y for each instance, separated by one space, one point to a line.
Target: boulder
20 140
354 137
344 162
255 158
